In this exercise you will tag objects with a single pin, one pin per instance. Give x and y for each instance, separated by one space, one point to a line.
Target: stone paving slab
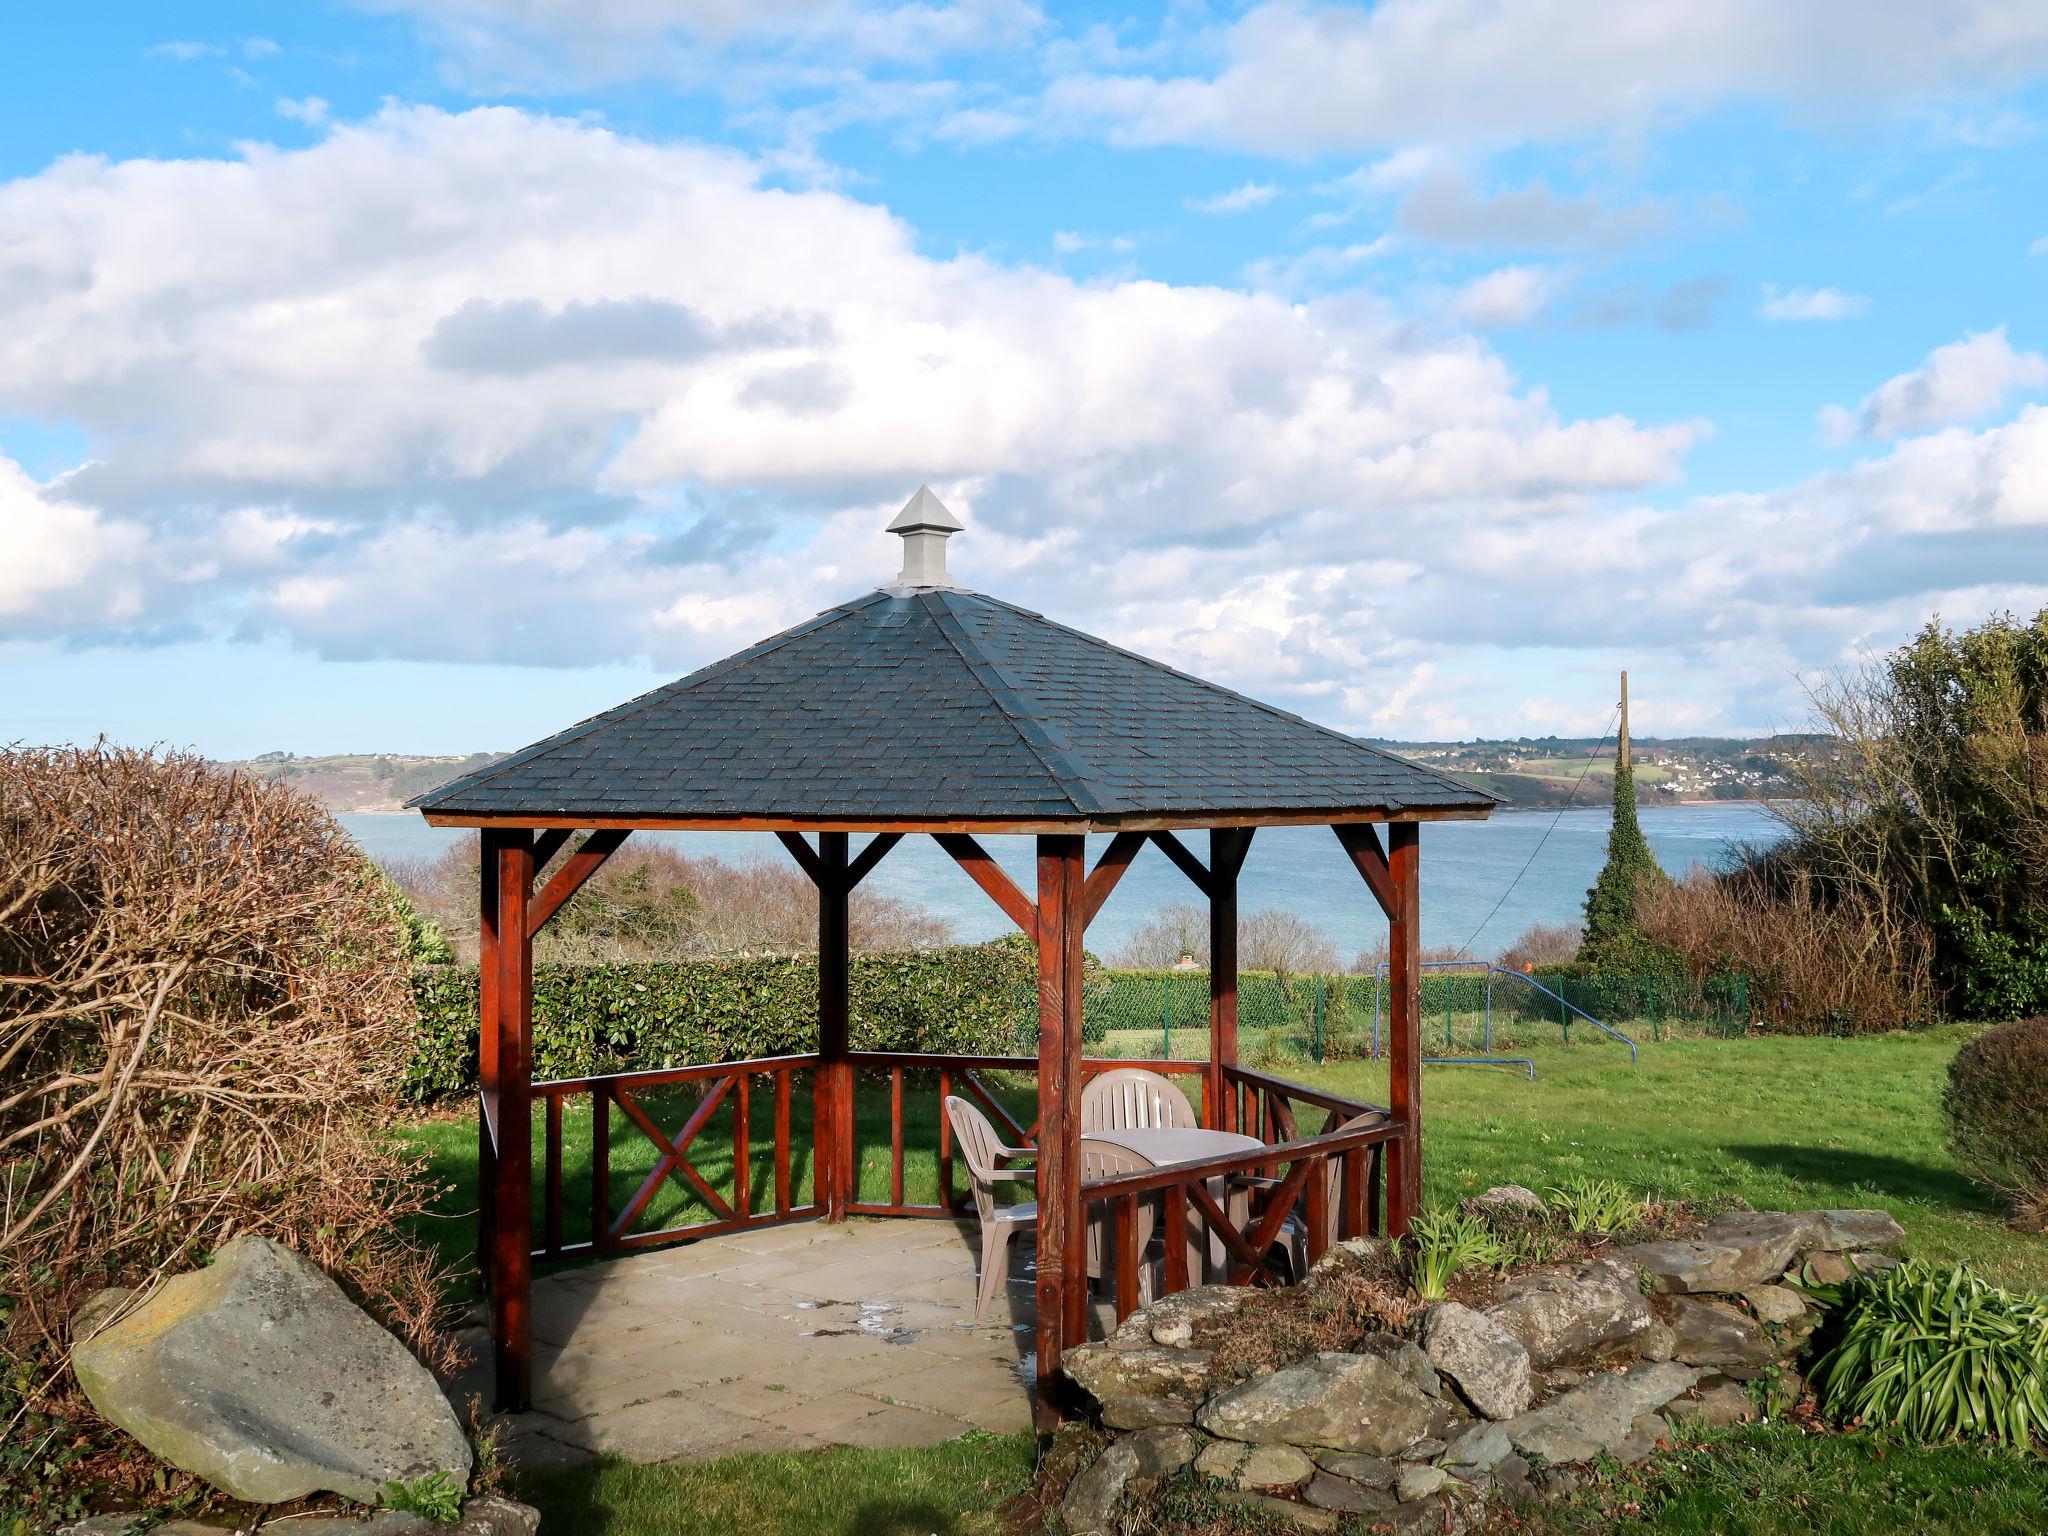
792 1337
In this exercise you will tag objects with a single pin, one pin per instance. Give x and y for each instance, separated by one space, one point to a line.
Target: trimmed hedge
593 1019
1996 1111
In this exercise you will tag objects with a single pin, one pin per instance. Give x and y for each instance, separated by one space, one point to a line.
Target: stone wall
1417 1428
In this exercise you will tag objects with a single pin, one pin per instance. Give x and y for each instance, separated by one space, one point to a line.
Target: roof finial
925 525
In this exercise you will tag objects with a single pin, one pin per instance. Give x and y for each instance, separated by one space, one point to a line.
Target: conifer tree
1614 937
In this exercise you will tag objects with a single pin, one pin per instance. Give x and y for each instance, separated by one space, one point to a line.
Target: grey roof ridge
663 691
1449 780
1062 764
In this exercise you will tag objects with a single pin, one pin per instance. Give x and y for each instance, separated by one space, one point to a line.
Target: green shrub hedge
591 1019
1996 1110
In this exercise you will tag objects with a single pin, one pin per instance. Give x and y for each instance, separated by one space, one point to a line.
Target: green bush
1996 1109
595 1019
1939 1354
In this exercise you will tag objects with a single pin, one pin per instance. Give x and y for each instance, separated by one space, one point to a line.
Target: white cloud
1504 297
1069 242
1809 303
61 565
312 110
1253 194
2039 247
1300 78
1443 206
1960 382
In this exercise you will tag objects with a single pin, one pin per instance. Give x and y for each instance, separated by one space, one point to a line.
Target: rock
1598 1415
495 1515
1145 1412
1145 1371
120 1522
1090 1507
1342 1402
1170 1321
382 1522
1481 1448
259 1375
1723 1403
1509 1197
1404 1357
1559 1379
1486 1363
1778 1304
1570 1317
1327 1492
1356 1467
1301 1516
1854 1229
1419 1482
1512 1478
1424 1450
1348 1257
1643 1437
1824 1267
1254 1466
1555 1483
1165 1449
98 1310
1714 1333
1873 1263
1656 1342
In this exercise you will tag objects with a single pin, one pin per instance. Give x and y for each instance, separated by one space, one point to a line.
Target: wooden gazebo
923 708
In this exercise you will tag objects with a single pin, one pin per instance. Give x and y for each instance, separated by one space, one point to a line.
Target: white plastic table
1163 1146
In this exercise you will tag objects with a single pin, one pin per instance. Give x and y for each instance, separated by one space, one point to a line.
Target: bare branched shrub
650 901
1544 944
1817 962
1285 944
1158 944
204 1015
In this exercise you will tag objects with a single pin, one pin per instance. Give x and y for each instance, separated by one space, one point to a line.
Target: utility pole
1623 759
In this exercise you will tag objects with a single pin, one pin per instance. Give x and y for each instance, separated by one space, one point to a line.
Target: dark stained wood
1183 859
832 1112
672 1162
985 872
781 1080
877 849
1362 843
1108 870
1226 857
1404 984
487 1061
511 1268
1126 1256
588 858
896 1135
600 1163
800 849
742 1152
546 846
1036 826
1316 1212
551 1181
1174 1222
946 1198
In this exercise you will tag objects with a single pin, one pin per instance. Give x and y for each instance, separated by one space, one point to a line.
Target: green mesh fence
1466 1012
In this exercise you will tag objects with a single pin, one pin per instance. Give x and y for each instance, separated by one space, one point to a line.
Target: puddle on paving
873 1320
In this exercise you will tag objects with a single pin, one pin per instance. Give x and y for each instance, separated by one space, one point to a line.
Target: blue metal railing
1566 1009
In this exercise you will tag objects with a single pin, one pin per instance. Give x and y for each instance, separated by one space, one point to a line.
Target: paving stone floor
786 1338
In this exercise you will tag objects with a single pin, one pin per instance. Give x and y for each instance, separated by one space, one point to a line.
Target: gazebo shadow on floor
861 1333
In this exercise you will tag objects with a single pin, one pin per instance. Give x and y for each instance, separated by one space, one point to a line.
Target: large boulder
1854 1229
1170 1321
1598 1415
1486 1363
259 1375
1093 1497
1343 1402
1714 1333
1560 1317
1107 1373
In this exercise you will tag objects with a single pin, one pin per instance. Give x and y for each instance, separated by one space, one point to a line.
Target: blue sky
425 374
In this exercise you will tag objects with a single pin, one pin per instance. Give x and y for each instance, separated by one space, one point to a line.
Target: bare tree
1285 944
1181 929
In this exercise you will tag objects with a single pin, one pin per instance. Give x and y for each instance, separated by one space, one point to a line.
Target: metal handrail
1491 970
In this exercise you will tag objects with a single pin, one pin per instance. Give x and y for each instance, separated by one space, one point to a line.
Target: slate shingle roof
940 705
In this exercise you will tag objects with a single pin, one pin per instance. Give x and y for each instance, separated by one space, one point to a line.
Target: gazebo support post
832 1161
1404 987
505 1057
1227 848
1062 1234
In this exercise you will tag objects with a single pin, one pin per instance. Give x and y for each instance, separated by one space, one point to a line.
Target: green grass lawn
1785 1123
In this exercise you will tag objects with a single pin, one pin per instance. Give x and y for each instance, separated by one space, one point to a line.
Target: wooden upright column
505 1051
1404 1011
1227 847
1062 1239
832 1090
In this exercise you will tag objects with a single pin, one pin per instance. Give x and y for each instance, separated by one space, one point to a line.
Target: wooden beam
547 845
991 877
1039 826
1109 869
877 849
1184 860
832 1162
800 849
1062 1234
1370 860
1404 991
568 880
1226 857
511 1267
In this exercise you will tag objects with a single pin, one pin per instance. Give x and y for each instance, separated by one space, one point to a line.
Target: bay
1483 882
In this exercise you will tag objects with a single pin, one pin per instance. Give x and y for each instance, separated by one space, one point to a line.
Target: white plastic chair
1102 1160
1132 1098
984 1154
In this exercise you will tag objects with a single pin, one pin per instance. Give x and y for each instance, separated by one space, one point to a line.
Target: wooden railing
733 1085
961 1075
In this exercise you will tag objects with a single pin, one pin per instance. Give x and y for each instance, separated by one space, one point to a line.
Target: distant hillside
1528 772
363 781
